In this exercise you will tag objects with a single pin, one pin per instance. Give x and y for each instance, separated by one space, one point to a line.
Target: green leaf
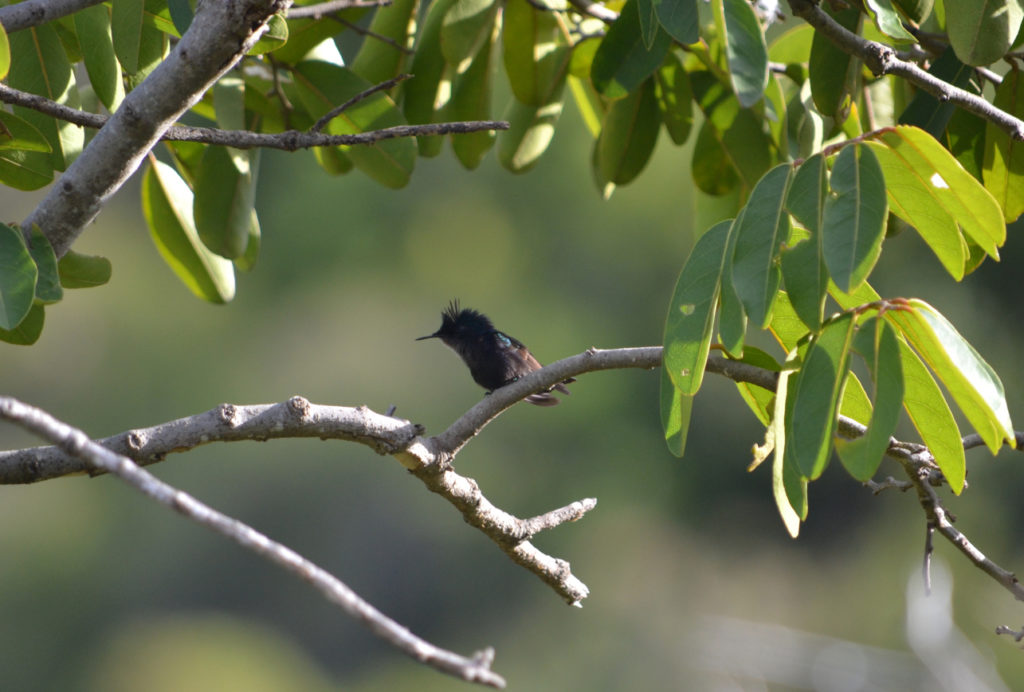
471 100
679 18
181 14
531 127
931 416
465 28
48 289
1003 167
83 271
28 330
93 27
628 136
675 415
806 279
732 324
167 205
252 249
378 61
622 62
223 203
322 86
922 399
419 94
951 188
813 398
916 10
786 325
648 22
276 36
888 20
786 486
534 60
972 383
5 53
126 28
877 343
761 401
15 133
745 50
981 31
793 46
691 314
675 99
738 131
965 139
762 230
43 68
833 73
807 193
18 275
712 171
854 221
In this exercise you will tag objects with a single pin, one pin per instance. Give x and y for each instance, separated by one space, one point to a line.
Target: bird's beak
428 336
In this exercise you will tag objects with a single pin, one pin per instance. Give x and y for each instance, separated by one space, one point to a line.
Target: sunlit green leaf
981 31
465 29
833 72
675 98
787 488
379 60
94 33
83 271
167 205
628 136
971 381
1003 167
675 415
471 100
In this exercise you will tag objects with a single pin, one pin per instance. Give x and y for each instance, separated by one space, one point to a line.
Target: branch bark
77 444
36 12
219 36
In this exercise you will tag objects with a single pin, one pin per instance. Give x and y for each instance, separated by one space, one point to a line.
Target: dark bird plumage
494 358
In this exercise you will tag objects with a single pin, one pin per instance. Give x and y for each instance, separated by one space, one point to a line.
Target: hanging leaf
679 18
167 206
745 50
675 415
854 217
813 398
691 314
628 136
981 31
48 289
762 230
1003 167
622 62
83 271
18 274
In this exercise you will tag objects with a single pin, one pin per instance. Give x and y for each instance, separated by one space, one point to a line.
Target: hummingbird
494 358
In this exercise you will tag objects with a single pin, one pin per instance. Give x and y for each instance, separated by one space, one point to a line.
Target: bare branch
221 33
325 8
36 12
291 140
882 59
338 110
77 444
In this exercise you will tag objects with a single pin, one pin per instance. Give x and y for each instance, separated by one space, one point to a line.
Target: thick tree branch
36 12
292 140
322 9
219 36
882 59
77 444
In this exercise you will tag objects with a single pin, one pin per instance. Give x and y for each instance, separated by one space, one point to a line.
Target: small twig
1016 634
325 8
372 34
77 444
929 549
890 482
291 140
338 110
286 105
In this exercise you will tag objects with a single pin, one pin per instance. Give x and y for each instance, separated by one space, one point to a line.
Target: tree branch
430 458
325 8
882 59
219 36
77 444
292 140
36 12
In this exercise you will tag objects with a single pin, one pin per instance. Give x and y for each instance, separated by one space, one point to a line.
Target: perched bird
494 358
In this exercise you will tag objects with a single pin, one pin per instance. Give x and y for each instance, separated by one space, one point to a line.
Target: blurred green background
695 584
